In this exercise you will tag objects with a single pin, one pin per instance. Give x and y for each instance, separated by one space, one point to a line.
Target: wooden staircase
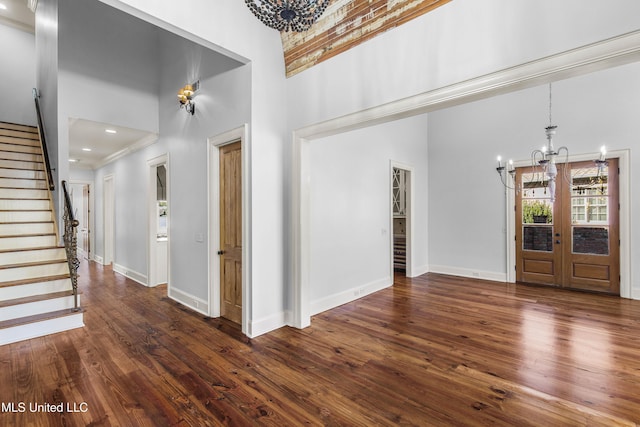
36 296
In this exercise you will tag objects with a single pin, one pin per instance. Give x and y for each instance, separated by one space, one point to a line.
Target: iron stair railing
70 239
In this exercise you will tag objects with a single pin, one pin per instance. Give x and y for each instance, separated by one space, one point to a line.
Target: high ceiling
345 24
17 15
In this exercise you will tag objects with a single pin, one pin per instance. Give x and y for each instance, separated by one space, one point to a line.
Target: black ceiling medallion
285 15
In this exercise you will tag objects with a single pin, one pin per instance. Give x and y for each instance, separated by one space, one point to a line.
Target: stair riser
23 183
20 229
17 193
33 272
39 329
23 157
31 289
24 216
37 307
16 164
19 148
21 173
19 135
23 128
19 257
27 242
24 205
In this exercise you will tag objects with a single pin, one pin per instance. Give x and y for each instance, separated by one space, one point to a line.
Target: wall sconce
185 97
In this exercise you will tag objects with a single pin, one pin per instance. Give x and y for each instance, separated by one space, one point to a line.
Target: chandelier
285 15
544 158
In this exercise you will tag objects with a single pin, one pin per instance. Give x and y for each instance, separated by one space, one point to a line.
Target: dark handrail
43 140
71 242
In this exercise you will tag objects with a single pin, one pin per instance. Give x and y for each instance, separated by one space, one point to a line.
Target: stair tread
39 317
34 263
28 235
33 280
27 222
37 248
35 298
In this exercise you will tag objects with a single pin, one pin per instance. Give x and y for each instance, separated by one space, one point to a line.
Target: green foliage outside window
537 209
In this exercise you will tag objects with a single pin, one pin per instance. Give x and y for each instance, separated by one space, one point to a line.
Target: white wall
18 75
458 41
237 31
47 81
350 225
466 211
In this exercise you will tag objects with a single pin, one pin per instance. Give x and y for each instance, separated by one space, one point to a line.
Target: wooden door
538 227
591 255
572 241
231 232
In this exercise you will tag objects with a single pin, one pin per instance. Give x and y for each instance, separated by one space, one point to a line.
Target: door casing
623 157
213 180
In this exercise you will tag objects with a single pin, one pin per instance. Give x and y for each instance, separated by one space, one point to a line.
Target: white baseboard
419 271
467 272
268 324
131 274
188 300
98 259
635 293
335 300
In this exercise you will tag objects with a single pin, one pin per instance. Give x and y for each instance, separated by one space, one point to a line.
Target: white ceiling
105 147
18 15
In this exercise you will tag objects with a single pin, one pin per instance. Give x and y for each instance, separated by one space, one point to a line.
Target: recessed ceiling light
73 160
86 149
3 6
111 131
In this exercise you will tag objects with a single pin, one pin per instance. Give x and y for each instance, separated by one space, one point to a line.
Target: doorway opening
229 235
401 218
570 239
82 202
109 219
158 234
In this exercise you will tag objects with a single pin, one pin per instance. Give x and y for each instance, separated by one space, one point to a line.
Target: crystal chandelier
544 158
285 15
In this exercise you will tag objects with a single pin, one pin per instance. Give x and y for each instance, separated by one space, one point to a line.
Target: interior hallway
435 350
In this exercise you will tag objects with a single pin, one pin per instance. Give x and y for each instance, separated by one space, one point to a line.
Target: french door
571 241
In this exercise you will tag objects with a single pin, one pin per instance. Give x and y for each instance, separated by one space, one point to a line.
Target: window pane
591 240
537 212
537 238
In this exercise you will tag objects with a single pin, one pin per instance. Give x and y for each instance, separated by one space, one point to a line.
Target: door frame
408 219
152 230
623 157
109 219
214 144
91 225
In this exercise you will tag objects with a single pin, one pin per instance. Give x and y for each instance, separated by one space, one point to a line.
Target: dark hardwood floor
430 351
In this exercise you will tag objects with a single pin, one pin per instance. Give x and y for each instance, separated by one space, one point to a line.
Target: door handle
220 252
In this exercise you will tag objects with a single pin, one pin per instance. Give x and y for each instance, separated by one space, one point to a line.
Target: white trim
109 205
188 300
624 191
152 232
468 272
92 221
344 297
268 324
136 146
410 235
214 143
615 51
98 259
131 274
